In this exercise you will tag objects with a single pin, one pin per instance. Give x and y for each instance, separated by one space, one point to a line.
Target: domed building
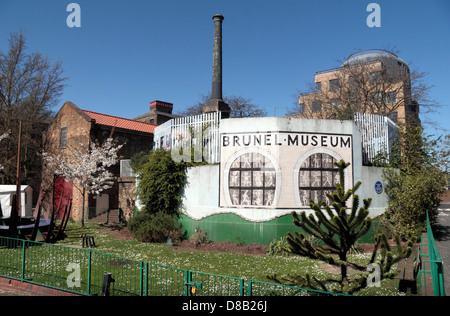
369 81
373 55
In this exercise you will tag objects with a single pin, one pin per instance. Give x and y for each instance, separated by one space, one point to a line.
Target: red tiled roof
120 122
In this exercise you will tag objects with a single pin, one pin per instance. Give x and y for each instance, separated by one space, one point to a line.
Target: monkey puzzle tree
339 230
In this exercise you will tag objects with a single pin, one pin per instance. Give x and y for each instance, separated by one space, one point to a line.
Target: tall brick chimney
216 103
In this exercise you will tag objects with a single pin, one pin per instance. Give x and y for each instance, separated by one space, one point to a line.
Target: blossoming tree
87 167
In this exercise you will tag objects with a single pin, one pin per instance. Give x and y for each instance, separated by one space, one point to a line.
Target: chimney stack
216 103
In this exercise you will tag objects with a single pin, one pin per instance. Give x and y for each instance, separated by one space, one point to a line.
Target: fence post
89 274
249 288
241 287
141 277
187 280
146 279
23 260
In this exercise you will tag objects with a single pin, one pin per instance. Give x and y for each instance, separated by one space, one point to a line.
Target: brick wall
127 199
17 286
78 132
82 129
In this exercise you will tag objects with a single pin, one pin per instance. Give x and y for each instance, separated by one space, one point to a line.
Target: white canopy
6 193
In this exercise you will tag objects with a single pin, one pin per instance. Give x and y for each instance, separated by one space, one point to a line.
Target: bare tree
30 86
240 107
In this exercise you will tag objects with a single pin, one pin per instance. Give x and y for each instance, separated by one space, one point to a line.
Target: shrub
156 227
411 195
162 181
199 237
415 187
278 247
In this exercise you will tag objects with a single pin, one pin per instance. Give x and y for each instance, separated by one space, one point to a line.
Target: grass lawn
227 264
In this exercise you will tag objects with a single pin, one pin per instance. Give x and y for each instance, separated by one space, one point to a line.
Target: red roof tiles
120 122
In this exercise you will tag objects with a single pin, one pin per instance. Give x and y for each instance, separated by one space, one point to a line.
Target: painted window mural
280 170
252 180
317 176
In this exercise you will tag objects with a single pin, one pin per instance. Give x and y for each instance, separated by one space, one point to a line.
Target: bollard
107 280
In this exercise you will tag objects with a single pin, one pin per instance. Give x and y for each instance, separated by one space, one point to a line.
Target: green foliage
417 182
138 160
162 181
338 230
199 237
156 227
278 248
160 189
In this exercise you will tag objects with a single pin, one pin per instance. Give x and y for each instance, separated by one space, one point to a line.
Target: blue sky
129 53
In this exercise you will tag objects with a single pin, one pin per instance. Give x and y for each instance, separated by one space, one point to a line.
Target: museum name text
286 139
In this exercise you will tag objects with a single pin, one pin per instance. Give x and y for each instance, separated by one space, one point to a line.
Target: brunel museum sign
281 170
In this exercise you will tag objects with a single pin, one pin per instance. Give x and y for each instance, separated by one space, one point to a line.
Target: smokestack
216 103
217 58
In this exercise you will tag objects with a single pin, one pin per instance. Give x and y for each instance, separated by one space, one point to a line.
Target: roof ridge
119 117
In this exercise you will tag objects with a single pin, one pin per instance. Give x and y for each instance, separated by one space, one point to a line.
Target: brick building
73 126
160 112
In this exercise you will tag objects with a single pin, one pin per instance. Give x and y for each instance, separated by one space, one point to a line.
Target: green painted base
231 227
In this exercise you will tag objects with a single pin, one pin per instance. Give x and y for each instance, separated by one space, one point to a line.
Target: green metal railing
81 271
432 265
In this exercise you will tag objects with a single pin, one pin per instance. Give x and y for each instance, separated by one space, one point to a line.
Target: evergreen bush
161 183
156 227
416 182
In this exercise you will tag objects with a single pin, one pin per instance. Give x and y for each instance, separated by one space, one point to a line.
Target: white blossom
88 167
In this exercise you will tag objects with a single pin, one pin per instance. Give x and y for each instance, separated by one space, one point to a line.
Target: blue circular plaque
378 187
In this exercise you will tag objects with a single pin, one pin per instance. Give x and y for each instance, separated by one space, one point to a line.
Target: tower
216 103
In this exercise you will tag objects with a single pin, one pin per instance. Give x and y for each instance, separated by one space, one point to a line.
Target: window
252 180
375 77
376 98
317 176
319 86
301 108
353 84
63 137
335 103
391 97
393 116
152 121
317 106
334 84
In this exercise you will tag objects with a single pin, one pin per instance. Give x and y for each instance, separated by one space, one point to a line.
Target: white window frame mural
226 177
299 164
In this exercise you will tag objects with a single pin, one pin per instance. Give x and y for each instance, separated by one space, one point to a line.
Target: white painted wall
202 195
